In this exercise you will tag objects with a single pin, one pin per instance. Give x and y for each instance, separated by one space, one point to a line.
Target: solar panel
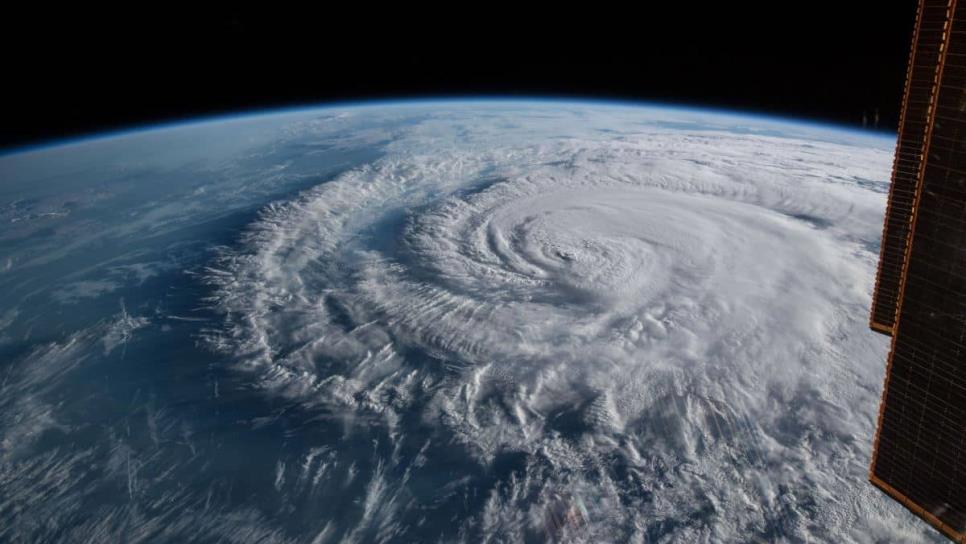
920 82
919 457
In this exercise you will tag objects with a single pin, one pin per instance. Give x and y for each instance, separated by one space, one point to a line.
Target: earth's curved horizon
120 131
445 321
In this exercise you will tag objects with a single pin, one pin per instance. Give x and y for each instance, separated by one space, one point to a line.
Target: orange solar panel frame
920 83
919 453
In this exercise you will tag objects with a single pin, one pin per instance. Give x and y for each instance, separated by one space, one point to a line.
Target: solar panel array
919 456
920 80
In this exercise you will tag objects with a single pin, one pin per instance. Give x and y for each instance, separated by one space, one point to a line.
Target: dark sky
67 73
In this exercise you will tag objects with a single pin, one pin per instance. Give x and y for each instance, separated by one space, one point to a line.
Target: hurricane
530 323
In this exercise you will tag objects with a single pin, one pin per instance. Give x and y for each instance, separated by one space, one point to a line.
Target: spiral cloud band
594 325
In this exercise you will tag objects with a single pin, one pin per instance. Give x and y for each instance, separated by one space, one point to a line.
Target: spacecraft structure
919 452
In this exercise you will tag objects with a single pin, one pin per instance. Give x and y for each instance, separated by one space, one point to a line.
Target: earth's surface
438 322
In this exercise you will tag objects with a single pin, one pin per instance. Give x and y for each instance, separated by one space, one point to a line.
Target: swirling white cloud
666 324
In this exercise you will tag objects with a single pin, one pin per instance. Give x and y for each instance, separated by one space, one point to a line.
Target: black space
70 72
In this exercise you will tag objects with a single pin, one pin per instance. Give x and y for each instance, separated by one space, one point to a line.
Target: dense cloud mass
524 322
